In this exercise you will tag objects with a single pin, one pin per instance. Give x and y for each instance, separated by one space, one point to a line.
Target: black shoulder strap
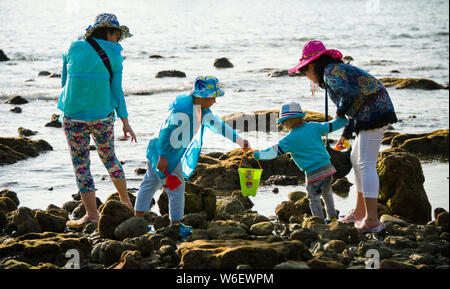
102 55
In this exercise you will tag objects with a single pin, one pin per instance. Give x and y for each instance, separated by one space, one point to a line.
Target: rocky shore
227 233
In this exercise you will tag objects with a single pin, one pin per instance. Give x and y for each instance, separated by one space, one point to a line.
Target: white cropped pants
364 160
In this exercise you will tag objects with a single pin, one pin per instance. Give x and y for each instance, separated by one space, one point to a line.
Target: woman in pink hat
365 101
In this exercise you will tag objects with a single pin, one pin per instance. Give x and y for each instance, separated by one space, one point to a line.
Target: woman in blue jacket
91 94
176 149
363 98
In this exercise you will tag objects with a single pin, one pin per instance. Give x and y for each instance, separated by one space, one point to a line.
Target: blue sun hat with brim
108 20
207 87
290 110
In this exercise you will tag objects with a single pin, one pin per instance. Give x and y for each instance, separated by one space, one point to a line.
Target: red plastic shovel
172 181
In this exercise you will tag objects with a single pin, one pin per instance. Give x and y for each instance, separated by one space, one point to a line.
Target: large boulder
221 171
222 63
130 228
401 185
3 56
411 83
13 149
112 214
22 221
16 100
197 199
228 254
170 73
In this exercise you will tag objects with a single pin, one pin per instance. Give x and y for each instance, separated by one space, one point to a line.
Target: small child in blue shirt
304 143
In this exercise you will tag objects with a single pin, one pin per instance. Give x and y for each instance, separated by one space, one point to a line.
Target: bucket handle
242 158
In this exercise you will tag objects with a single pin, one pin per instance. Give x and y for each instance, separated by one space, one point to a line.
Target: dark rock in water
3 56
54 75
395 71
401 185
16 100
429 144
275 190
170 73
44 73
54 122
388 136
16 109
278 73
140 171
411 83
155 56
25 132
14 149
222 63
341 186
282 180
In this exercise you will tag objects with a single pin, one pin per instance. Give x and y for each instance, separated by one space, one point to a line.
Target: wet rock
292 265
54 121
170 73
195 220
262 229
130 228
250 218
54 75
282 181
309 222
16 100
113 213
14 149
14 264
161 221
7 204
388 218
393 264
442 220
44 73
411 83
198 198
12 196
338 246
425 233
339 231
422 258
16 109
304 234
130 260
401 185
51 222
321 264
388 136
296 195
217 228
223 63
400 242
140 171
246 201
285 210
23 221
341 186
228 254
3 56
116 196
431 144
229 206
25 132
110 252
302 206
383 210
379 246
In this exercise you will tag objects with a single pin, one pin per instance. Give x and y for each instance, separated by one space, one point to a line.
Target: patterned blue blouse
360 96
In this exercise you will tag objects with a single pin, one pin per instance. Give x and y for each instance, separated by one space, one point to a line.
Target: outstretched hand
128 130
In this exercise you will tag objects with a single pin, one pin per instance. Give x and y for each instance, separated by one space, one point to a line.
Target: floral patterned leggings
78 136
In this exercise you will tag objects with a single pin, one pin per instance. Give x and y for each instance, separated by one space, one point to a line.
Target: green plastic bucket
249 179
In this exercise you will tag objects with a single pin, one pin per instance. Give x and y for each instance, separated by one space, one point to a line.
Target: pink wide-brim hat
313 50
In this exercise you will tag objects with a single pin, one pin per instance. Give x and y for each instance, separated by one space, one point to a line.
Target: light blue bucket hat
207 87
108 20
290 110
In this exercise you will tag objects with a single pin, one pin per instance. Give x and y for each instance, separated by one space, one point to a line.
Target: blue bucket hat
207 87
290 110
108 20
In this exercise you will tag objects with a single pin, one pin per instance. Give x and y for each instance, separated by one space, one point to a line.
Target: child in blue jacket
175 151
304 143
